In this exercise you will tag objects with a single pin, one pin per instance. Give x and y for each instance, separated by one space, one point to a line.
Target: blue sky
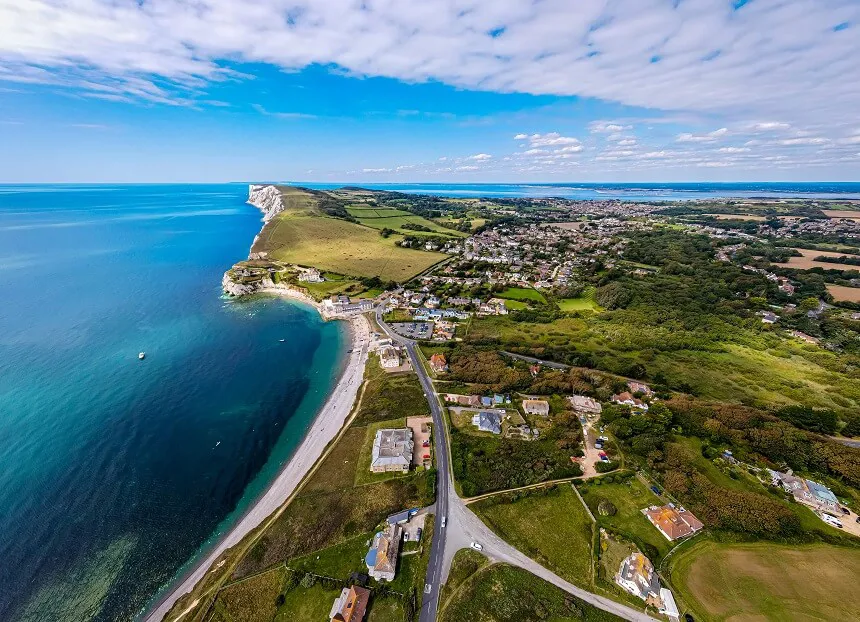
430 90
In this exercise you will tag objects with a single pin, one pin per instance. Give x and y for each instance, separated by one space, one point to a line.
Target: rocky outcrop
267 199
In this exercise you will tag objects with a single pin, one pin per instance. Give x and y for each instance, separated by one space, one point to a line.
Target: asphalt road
463 527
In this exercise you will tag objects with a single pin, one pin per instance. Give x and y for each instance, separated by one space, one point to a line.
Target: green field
552 528
382 218
501 593
583 302
523 294
759 581
302 235
629 498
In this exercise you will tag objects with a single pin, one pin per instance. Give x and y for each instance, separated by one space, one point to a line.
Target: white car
444 518
476 546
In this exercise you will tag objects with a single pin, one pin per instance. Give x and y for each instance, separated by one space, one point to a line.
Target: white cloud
607 127
811 140
770 126
547 140
480 157
377 170
468 168
626 142
733 149
687 137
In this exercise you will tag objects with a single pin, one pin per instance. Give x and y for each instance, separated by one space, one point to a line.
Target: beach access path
324 428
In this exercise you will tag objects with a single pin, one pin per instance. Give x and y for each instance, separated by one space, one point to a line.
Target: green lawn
522 293
338 561
306 605
465 564
253 600
552 528
501 593
583 302
629 498
516 305
762 581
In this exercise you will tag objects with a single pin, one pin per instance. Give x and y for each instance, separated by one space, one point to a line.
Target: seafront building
392 450
381 559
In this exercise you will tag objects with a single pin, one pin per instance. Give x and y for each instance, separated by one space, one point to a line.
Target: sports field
330 244
761 581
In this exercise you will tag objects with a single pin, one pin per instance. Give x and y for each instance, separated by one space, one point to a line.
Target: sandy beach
325 427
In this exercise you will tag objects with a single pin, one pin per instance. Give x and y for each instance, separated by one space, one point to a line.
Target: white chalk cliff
267 199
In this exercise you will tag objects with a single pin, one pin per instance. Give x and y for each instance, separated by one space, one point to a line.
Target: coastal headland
325 427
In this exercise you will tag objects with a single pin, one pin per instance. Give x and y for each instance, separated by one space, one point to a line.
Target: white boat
141 355
282 340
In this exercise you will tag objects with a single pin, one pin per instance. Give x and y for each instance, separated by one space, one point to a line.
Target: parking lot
414 330
420 435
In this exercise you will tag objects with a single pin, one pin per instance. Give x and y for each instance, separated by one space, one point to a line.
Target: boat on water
141 355
282 340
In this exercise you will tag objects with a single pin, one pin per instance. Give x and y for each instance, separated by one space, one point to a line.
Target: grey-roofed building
392 450
637 576
488 422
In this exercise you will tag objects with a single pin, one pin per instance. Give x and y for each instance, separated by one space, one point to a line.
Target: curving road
463 527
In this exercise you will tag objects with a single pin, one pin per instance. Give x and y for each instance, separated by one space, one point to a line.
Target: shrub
605 467
606 508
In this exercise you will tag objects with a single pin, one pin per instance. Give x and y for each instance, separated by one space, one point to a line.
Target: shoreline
325 426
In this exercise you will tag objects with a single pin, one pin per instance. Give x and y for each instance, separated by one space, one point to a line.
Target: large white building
392 450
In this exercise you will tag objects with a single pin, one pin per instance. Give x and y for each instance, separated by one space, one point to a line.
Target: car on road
476 546
655 490
444 520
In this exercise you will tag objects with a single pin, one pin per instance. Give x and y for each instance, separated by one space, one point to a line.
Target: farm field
841 292
768 581
381 218
552 528
501 593
842 213
808 261
330 244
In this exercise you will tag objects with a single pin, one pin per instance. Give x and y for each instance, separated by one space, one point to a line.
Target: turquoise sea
114 472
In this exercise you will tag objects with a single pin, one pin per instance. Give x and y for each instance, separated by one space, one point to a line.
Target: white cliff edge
267 199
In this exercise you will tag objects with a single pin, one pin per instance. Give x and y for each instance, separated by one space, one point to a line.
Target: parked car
426 456
655 490
604 458
604 438
419 533
425 444
476 546
406 535
602 454
846 511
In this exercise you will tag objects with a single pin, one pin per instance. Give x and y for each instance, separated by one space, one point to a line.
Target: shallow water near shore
114 471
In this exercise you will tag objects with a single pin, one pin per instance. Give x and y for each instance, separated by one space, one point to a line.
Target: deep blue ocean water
114 472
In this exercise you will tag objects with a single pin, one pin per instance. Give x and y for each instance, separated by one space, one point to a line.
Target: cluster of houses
812 494
310 275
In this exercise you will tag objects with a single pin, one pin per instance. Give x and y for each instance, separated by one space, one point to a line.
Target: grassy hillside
302 234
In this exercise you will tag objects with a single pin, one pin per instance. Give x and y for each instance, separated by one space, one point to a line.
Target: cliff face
235 288
267 199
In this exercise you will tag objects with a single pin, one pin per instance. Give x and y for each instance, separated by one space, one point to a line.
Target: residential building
639 387
389 357
392 450
381 559
805 491
351 605
636 575
669 607
438 363
584 404
343 305
311 275
487 422
627 399
768 317
673 522
536 407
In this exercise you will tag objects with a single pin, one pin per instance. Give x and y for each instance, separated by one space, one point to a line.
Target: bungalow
673 522
585 404
351 605
536 407
438 363
626 399
487 422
